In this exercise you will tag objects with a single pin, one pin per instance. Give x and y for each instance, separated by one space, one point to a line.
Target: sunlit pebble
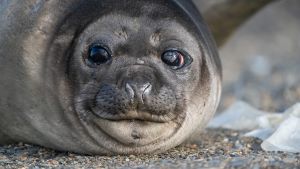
23 158
20 144
132 156
234 134
53 162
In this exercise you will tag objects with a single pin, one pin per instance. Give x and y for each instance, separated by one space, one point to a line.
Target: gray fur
50 97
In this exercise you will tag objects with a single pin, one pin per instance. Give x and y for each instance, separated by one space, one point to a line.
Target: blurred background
259 45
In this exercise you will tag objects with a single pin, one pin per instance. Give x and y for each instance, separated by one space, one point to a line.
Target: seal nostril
138 91
146 91
129 90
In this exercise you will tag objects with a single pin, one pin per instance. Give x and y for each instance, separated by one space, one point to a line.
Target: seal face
113 80
131 77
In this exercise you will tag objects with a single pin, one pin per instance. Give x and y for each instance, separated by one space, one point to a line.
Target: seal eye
176 59
98 55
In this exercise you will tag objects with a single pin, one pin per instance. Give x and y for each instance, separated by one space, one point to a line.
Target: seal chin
136 133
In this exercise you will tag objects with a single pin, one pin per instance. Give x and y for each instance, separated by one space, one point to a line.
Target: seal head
116 81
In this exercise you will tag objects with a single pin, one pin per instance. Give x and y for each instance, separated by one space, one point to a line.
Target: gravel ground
218 148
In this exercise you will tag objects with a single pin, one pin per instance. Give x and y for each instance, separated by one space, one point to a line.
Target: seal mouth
135 115
135 132
135 128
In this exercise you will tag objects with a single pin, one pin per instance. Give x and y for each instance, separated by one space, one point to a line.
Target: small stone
20 144
192 146
226 140
23 158
53 162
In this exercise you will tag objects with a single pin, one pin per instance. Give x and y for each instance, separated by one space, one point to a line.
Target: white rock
273 120
286 137
270 120
240 116
280 131
260 133
293 111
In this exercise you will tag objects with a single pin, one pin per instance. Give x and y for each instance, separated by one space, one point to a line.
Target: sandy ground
218 148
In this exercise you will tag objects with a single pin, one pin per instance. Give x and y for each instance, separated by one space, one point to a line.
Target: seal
105 77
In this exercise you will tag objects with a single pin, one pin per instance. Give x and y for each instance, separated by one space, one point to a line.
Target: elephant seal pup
105 76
